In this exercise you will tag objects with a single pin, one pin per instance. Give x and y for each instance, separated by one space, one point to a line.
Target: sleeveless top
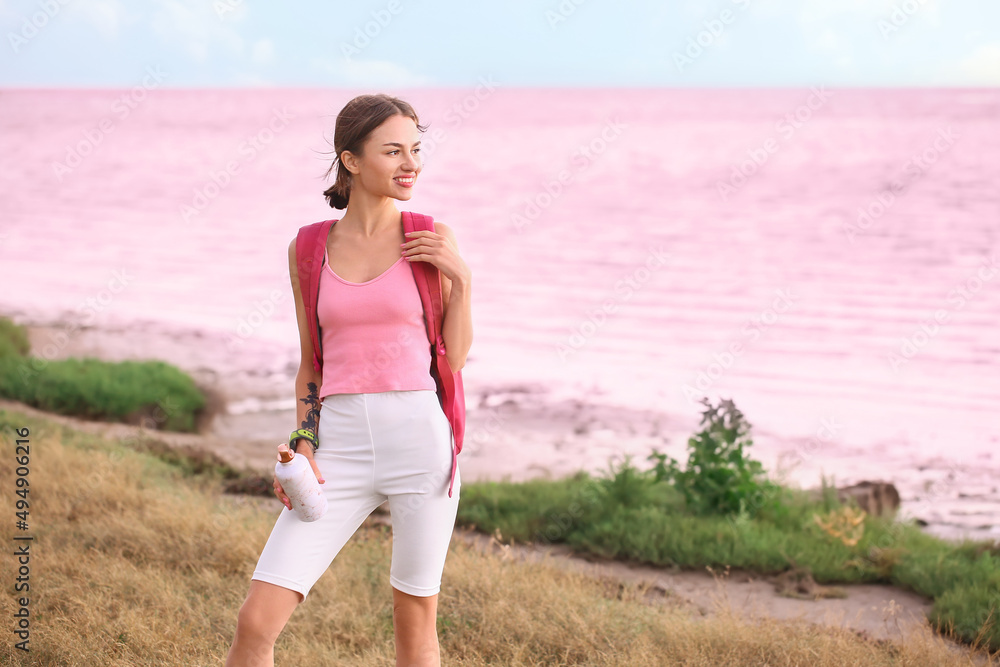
374 336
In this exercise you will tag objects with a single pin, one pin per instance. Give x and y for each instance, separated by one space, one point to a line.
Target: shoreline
514 431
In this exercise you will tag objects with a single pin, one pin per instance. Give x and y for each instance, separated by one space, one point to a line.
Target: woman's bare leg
414 619
260 620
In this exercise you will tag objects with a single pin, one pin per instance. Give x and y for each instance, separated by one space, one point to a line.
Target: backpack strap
450 390
428 279
310 249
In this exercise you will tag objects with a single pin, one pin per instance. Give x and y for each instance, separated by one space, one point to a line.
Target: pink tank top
374 336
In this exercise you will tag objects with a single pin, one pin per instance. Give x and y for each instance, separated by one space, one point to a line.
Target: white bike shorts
394 445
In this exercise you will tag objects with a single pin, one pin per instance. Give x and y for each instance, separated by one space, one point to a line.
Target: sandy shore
515 430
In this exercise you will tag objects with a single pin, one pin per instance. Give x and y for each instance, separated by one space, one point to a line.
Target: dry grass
135 563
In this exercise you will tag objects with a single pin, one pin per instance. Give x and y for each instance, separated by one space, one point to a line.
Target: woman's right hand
306 450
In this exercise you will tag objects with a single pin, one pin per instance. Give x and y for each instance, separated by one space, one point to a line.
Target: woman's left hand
428 246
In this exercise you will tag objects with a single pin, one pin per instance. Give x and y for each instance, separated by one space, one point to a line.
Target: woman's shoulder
445 231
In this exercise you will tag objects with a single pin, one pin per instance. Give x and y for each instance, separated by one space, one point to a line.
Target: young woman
381 431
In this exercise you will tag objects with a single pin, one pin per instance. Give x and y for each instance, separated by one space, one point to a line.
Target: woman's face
391 161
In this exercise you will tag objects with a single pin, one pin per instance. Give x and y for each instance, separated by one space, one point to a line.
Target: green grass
626 515
161 394
13 339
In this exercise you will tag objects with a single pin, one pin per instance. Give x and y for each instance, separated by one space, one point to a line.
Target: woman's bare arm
457 298
307 380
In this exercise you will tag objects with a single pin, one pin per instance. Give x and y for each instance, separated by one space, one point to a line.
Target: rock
876 498
799 583
254 485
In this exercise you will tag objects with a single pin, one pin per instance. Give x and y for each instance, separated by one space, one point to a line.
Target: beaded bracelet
305 434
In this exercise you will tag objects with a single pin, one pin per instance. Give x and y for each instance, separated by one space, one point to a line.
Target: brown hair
355 123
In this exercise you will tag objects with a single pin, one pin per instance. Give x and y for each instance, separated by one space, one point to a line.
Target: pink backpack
310 249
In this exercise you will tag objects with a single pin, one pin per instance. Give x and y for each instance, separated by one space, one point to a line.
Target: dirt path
884 612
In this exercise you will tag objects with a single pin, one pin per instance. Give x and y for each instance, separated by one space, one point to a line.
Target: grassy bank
153 393
140 561
626 514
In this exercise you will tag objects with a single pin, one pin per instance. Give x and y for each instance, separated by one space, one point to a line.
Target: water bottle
299 482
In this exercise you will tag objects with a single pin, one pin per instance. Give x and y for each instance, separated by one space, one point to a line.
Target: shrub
719 478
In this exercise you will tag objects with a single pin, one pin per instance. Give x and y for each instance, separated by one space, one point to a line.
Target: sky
532 43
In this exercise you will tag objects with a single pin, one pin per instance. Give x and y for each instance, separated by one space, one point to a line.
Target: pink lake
842 286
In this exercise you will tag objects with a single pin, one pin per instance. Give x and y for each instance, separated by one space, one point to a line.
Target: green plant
13 339
626 485
720 478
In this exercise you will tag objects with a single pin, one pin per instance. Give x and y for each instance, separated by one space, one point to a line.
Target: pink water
551 279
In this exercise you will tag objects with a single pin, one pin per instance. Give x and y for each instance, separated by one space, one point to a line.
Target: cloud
262 52
836 26
982 68
252 80
230 10
195 26
370 73
105 15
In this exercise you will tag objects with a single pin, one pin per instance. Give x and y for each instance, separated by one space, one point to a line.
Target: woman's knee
254 624
404 603
263 614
